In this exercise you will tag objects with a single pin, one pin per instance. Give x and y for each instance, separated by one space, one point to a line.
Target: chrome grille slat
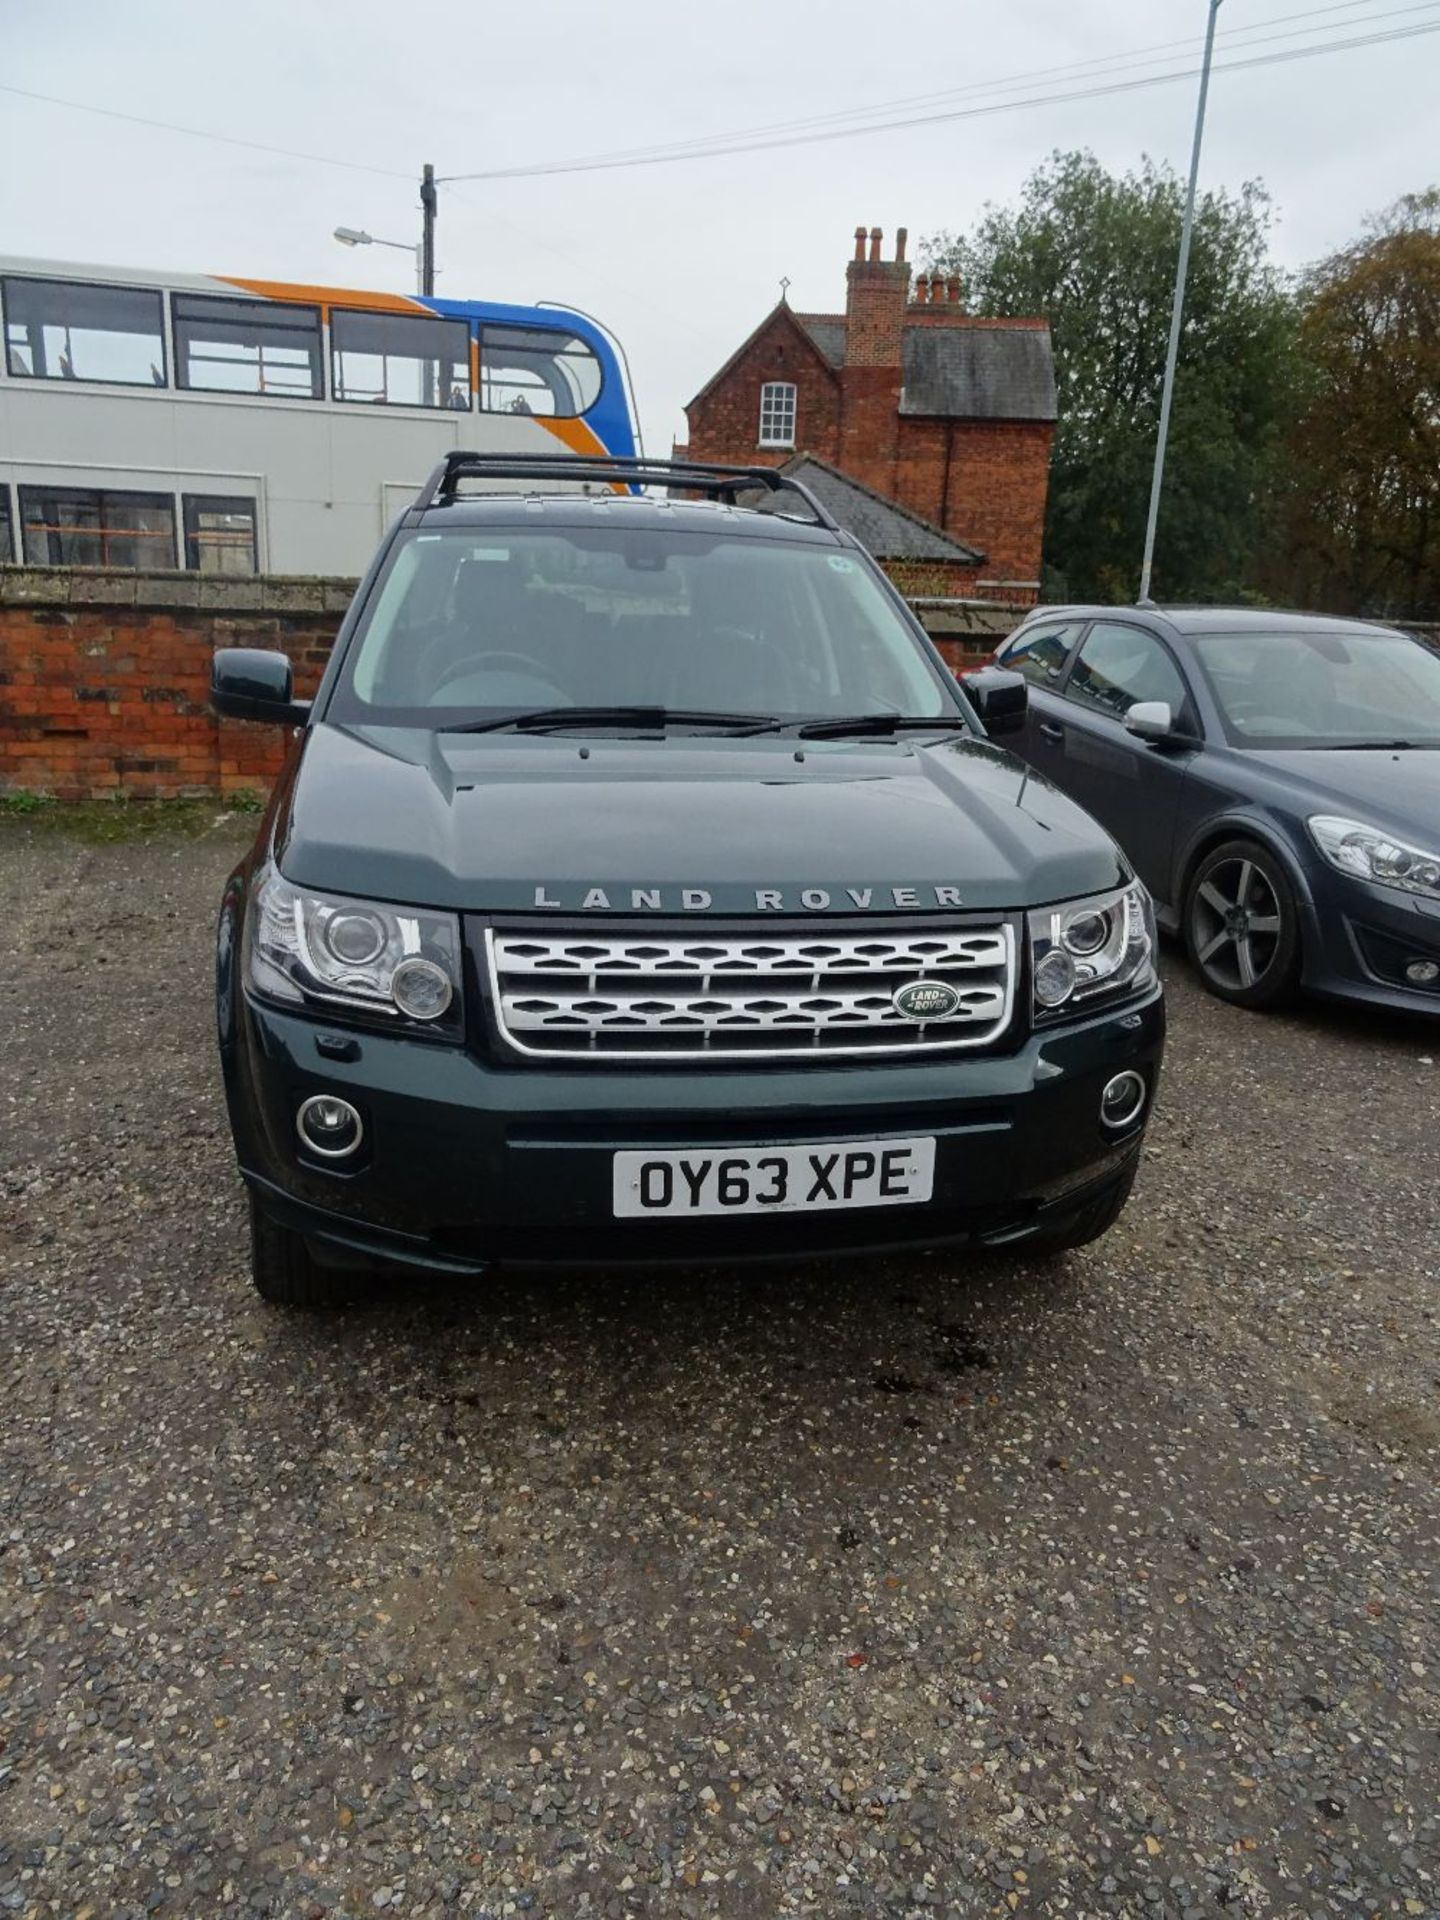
528 1011
638 994
856 953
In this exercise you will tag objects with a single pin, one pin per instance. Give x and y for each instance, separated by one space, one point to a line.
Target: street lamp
1177 313
357 237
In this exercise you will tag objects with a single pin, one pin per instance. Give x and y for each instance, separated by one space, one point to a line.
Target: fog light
330 1127
1422 973
1123 1100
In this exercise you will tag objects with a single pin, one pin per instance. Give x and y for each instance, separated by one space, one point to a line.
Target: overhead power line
1157 53
203 133
670 157
854 122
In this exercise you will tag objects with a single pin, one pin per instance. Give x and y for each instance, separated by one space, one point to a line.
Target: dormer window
777 414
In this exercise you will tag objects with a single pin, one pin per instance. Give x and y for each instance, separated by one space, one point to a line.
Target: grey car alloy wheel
1241 926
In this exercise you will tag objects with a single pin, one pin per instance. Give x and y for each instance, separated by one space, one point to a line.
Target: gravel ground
908 1589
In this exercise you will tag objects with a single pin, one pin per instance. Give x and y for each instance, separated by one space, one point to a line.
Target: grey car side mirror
1151 720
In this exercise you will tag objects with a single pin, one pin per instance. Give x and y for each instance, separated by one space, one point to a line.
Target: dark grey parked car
1273 777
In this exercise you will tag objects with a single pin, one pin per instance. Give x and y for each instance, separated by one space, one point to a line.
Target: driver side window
1122 665
1041 654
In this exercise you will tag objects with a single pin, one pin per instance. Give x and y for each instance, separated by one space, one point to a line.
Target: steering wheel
460 669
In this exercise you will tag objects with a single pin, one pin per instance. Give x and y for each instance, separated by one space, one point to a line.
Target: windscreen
476 623
1318 689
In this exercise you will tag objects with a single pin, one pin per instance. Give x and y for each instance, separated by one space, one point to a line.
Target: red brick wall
932 579
104 679
725 422
920 472
999 475
870 426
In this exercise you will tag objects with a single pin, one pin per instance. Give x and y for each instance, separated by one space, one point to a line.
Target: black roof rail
690 476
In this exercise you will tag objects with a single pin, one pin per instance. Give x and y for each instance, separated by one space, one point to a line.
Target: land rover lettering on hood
641 887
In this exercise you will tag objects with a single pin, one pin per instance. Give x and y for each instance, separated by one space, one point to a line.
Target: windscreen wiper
646 719
1382 746
881 723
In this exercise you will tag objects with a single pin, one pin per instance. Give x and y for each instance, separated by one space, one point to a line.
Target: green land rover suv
640 887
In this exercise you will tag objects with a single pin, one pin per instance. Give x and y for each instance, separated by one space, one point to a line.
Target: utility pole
427 243
1177 312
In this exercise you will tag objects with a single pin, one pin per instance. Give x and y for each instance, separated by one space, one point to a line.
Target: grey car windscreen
1319 689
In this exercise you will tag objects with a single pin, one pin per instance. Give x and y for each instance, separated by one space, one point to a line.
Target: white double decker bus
231 425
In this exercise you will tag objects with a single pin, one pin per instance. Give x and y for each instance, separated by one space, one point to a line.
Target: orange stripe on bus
580 437
328 297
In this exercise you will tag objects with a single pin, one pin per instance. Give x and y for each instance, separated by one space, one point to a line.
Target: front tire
1242 925
284 1270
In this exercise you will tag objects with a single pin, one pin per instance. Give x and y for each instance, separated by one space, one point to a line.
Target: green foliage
1359 514
1096 253
106 822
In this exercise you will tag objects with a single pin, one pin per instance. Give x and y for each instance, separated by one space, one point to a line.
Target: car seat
495 612
1289 689
728 659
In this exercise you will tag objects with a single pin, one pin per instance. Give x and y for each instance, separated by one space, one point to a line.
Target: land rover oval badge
925 999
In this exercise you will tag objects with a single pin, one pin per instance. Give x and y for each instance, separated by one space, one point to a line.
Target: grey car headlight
1372 854
398 966
1092 950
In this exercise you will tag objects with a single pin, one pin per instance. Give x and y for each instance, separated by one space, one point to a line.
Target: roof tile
883 527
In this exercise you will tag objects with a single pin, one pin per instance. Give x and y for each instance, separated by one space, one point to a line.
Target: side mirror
1151 720
1000 697
251 683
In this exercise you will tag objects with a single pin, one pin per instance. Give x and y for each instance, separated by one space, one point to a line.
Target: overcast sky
681 260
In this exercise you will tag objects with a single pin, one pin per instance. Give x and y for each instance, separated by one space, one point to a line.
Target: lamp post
357 237
1177 311
425 251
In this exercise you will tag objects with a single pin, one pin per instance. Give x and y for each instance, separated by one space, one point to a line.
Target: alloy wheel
1237 924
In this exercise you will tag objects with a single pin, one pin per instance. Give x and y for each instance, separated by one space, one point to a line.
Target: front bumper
1359 938
467 1163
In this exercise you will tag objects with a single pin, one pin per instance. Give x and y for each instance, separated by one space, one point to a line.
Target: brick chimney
876 294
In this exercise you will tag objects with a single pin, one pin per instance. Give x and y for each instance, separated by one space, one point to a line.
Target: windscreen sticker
839 564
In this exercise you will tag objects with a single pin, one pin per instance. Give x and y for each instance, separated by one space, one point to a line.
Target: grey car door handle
1052 730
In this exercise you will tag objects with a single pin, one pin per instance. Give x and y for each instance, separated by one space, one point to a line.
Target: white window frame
777 413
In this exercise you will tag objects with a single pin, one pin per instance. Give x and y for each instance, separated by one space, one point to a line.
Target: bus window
7 539
94 527
246 346
401 360
536 370
68 330
219 534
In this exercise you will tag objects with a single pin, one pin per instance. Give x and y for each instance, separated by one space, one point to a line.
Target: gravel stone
922 1586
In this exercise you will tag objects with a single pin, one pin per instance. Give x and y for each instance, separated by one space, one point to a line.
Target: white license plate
846 1173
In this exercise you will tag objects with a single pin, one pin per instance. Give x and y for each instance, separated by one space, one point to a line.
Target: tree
1359 516
1096 253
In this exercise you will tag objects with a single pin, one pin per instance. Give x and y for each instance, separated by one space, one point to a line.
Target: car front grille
661 994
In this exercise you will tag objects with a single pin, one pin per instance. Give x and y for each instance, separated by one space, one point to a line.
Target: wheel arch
1238 826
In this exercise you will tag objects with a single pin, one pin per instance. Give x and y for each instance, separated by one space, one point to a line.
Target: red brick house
944 414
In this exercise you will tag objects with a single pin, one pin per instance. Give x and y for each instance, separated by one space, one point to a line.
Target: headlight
1371 854
1091 950
396 965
